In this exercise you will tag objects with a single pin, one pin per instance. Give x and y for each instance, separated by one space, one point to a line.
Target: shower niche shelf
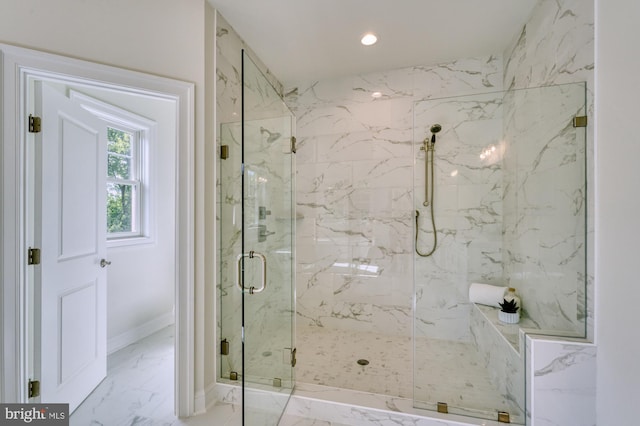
512 333
515 334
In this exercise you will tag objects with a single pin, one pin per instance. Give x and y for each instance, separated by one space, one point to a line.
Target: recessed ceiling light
376 94
368 39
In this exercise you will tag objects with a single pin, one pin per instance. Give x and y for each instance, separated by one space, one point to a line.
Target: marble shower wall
268 185
467 209
355 193
561 384
269 127
544 205
228 90
556 46
500 347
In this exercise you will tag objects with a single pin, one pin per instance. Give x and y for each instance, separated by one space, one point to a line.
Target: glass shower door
265 263
510 208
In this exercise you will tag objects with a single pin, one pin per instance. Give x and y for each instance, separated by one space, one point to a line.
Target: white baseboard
211 395
131 336
205 399
200 403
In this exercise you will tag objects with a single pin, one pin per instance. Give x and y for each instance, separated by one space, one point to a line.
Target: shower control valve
263 212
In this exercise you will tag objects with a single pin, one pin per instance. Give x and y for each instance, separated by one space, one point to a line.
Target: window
123 183
129 191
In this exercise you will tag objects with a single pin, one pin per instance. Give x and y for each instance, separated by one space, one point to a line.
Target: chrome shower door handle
239 281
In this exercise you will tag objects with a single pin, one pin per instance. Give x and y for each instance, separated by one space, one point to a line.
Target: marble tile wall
356 161
467 209
268 324
556 47
344 133
321 405
561 384
503 360
332 406
268 176
228 95
544 205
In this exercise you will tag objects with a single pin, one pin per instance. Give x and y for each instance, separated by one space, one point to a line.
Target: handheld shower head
435 129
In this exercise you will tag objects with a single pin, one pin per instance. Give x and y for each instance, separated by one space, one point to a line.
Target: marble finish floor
329 357
139 387
139 391
445 371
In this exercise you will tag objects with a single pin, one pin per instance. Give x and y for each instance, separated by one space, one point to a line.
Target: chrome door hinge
33 256
35 124
34 388
293 357
293 144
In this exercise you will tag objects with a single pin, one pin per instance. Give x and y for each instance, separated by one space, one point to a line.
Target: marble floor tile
138 389
289 420
443 371
330 358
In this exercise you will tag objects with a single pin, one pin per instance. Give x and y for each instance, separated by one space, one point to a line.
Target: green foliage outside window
120 163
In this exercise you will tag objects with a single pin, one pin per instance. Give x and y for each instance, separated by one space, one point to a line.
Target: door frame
17 66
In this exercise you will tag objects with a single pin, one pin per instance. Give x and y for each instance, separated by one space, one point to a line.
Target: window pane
118 167
119 207
119 141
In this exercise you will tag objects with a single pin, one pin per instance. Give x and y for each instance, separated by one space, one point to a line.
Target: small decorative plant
509 311
509 306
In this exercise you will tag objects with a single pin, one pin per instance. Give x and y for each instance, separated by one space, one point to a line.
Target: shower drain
363 362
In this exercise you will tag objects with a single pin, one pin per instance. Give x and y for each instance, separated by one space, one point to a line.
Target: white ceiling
303 40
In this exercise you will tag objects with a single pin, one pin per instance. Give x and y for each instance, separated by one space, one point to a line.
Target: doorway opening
164 249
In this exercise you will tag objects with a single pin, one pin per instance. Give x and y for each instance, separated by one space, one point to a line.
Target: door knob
104 262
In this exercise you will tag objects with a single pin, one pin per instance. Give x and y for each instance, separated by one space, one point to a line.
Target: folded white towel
486 294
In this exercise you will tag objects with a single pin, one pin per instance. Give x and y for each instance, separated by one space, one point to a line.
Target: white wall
141 277
158 36
617 206
163 37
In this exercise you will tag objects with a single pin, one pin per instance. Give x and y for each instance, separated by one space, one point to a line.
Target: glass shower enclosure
257 249
511 211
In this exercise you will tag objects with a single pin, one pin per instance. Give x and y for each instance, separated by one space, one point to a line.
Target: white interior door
71 226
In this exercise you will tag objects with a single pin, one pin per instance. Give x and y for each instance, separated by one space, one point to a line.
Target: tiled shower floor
329 357
139 388
446 371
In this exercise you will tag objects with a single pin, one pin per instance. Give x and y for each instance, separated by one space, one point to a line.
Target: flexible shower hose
433 218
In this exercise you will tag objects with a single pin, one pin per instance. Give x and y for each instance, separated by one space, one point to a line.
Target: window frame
135 182
145 131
